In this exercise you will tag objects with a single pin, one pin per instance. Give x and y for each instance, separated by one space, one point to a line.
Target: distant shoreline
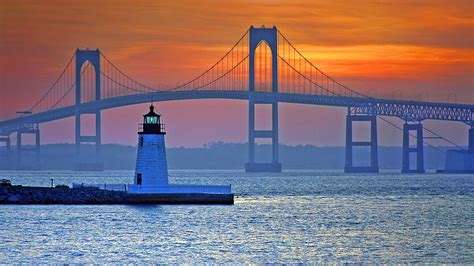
224 156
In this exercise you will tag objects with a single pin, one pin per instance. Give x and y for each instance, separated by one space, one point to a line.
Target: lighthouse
151 171
150 183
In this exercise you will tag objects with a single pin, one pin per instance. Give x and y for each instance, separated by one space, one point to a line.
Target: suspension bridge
263 67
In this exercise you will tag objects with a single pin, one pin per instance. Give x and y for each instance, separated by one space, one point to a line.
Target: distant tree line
221 155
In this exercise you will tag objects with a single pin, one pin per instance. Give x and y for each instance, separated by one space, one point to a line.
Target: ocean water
293 217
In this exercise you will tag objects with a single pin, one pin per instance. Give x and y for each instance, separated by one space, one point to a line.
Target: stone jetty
90 195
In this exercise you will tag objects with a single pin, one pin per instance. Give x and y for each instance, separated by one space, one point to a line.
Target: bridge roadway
407 110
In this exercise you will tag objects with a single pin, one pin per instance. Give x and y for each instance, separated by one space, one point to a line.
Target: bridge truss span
416 111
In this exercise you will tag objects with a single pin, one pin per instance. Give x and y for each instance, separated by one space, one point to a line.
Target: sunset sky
423 49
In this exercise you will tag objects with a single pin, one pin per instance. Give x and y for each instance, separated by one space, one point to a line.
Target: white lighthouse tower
151 172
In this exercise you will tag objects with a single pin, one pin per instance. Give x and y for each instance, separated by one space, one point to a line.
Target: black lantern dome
152 123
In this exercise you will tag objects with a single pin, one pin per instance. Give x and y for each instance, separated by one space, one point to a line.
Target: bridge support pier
471 139
418 149
5 157
21 150
93 56
461 161
6 140
252 165
374 162
81 163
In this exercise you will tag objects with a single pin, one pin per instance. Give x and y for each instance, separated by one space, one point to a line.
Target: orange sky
417 47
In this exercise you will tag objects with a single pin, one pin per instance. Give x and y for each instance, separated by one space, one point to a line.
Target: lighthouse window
151 120
140 141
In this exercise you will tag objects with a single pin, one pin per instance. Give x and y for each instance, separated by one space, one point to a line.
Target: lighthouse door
139 179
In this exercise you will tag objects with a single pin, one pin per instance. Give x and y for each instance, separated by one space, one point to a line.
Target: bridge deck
408 110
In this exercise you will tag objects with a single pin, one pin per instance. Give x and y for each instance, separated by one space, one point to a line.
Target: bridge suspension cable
221 68
60 100
310 79
322 88
228 73
54 91
424 141
108 72
443 138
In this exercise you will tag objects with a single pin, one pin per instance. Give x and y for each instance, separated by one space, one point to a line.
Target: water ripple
293 217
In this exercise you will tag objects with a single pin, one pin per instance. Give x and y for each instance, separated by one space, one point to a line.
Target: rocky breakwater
91 195
59 195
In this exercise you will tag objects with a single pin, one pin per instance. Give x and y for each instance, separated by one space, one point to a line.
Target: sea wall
44 195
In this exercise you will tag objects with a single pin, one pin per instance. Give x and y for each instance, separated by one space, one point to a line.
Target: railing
111 187
170 189
161 127
193 189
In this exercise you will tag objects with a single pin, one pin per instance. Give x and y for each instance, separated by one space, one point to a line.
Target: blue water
297 216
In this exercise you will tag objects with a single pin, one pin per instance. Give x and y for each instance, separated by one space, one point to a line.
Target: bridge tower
354 115
256 36
83 56
418 149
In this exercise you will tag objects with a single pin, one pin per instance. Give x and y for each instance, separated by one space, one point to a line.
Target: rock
3 197
13 198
